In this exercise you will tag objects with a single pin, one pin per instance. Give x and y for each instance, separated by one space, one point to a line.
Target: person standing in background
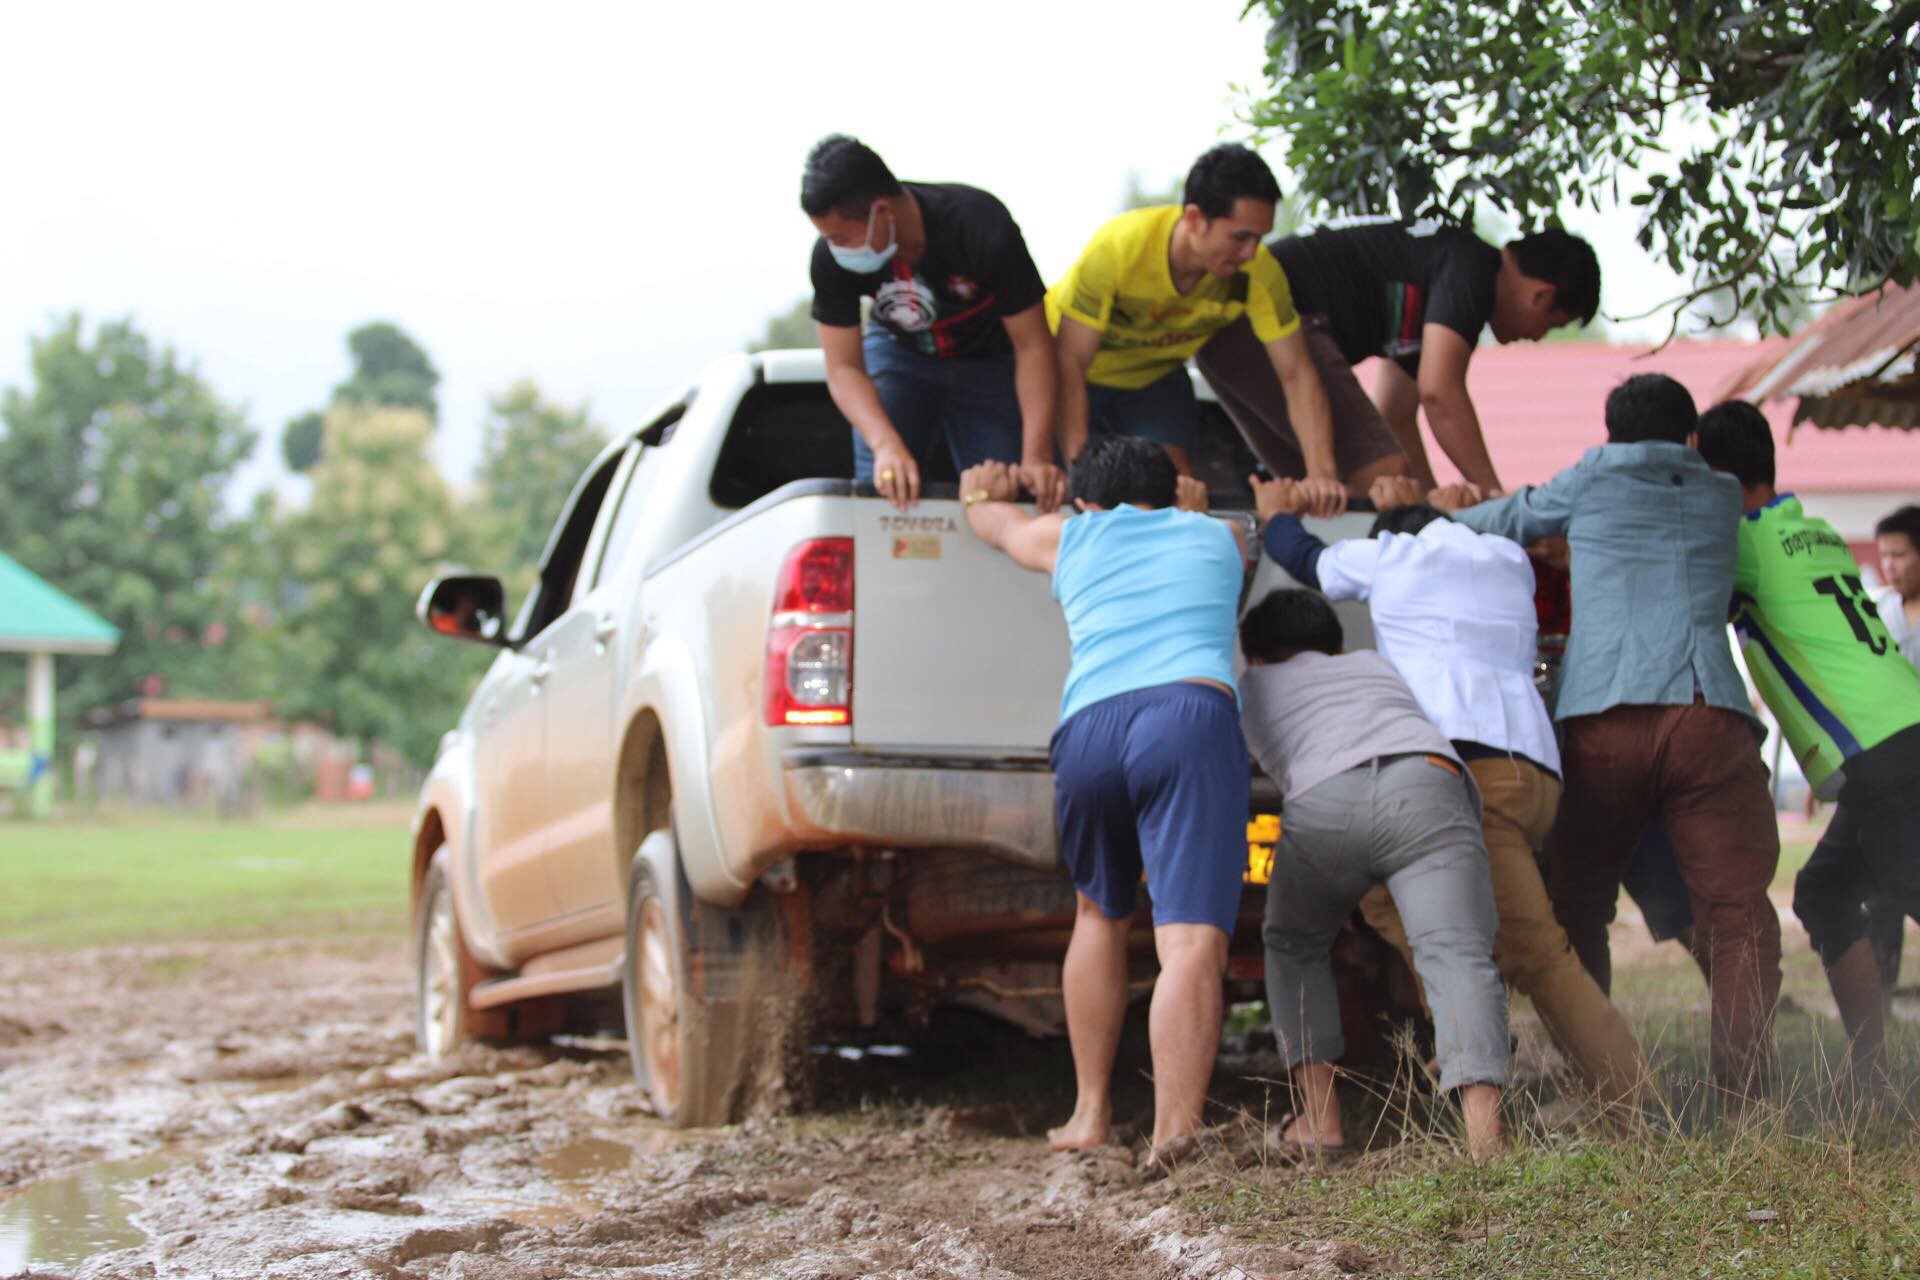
1898 540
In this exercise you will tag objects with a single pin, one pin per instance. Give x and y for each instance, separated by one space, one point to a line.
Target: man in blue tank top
1150 772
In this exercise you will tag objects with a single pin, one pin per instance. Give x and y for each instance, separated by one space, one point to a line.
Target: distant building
231 756
177 751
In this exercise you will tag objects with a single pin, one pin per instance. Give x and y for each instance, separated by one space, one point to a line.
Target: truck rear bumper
1000 807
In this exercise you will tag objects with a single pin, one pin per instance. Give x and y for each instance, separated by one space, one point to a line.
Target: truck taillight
810 639
817 578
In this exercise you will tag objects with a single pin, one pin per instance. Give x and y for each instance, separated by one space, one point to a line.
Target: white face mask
863 258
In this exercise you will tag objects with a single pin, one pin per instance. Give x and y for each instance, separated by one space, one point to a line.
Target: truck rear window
789 431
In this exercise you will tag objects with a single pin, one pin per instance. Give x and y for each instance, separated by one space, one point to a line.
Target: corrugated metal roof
36 617
1847 354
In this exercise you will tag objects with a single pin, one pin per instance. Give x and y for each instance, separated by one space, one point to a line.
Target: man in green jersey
1849 704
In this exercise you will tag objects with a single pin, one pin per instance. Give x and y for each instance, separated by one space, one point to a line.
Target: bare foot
1486 1135
1083 1130
1163 1156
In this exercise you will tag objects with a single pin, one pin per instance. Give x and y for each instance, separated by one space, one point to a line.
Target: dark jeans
1164 411
1696 771
969 406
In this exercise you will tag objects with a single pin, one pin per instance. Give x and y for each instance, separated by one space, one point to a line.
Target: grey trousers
1409 823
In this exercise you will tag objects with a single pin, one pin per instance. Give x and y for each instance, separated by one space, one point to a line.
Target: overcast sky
601 197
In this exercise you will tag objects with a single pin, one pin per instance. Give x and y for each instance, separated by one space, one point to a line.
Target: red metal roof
1541 406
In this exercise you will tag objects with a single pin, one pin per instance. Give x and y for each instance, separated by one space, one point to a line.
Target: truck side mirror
466 607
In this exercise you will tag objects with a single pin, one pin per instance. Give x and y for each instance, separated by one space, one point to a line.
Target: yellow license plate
1263 834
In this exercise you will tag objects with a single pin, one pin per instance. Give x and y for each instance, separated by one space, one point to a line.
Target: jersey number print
1857 608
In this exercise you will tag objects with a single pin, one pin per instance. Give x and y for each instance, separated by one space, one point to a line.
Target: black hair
1735 438
1227 173
1115 470
845 176
1408 519
1901 520
1289 622
1566 262
1650 406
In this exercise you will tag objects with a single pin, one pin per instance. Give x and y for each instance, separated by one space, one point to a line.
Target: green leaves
113 463
1795 165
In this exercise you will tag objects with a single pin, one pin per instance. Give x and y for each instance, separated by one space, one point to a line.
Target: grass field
148 877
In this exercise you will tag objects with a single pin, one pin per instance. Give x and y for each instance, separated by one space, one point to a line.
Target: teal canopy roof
36 617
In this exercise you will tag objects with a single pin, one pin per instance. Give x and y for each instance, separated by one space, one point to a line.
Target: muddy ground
256 1110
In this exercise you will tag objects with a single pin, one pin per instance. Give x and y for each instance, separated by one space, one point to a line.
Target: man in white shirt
1453 612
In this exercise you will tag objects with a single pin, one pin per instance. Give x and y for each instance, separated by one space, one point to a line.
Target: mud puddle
68 1219
256 1110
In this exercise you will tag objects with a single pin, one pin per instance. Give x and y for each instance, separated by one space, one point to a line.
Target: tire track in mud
310 1142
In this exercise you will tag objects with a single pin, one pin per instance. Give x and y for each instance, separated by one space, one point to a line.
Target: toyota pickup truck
761 754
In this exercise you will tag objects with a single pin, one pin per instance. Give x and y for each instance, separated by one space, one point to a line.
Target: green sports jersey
1814 642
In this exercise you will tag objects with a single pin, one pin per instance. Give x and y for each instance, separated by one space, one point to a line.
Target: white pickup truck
761 753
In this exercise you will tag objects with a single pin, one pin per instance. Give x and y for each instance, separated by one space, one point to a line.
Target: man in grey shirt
1373 793
1654 717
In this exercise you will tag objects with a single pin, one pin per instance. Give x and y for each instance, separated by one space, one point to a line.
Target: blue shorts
1164 411
1156 778
969 407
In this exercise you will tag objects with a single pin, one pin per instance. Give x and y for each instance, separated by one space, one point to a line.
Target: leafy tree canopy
380 523
390 369
113 461
791 329
300 442
1781 138
533 453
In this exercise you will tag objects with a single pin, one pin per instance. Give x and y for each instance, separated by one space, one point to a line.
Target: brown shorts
1241 373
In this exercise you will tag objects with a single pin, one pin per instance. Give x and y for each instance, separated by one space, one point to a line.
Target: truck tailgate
955 647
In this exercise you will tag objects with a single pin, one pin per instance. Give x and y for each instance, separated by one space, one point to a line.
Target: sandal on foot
1293 1151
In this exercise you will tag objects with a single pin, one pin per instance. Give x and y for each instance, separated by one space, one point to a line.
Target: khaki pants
1531 949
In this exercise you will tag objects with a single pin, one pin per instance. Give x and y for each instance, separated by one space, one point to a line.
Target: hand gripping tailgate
956 648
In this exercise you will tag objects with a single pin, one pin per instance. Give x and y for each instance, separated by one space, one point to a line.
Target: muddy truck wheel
445 974
714 1027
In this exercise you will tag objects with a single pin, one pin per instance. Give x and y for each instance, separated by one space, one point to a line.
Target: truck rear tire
709 1026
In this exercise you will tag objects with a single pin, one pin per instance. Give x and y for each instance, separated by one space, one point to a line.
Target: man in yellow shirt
1149 290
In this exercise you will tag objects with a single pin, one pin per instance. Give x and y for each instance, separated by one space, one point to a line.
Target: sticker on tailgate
916 546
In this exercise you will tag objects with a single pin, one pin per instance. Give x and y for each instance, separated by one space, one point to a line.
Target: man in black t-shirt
1418 295
957 353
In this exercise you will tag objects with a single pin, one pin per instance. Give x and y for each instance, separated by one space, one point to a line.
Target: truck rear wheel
708 1024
